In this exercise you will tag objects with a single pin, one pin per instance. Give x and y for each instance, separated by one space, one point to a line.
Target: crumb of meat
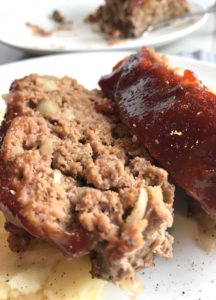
57 17
74 166
38 30
61 25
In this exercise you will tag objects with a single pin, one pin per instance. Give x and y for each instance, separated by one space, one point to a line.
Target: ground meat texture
77 178
129 18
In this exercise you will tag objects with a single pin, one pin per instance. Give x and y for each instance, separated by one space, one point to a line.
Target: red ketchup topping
173 116
76 242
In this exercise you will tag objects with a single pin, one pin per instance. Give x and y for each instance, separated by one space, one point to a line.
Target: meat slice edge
77 178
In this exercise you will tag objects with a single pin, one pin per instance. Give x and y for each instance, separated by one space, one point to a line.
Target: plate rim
60 56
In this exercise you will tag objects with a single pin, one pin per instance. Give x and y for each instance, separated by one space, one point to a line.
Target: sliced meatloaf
129 18
76 177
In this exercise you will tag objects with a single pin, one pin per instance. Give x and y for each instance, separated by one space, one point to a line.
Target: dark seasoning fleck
156 287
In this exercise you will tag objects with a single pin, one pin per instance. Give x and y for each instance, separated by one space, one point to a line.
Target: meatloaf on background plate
75 177
129 18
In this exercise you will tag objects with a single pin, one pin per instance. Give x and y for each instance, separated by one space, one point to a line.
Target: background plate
81 36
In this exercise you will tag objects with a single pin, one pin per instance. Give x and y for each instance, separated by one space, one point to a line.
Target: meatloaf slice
76 177
129 18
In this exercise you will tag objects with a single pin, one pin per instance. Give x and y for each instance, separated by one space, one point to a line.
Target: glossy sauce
173 116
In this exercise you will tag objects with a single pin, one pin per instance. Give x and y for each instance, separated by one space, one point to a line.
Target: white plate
82 36
191 274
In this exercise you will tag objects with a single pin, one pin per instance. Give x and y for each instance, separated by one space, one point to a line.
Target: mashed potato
43 272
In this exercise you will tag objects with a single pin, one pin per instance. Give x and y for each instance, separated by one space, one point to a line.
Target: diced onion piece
46 147
48 85
47 107
57 177
139 209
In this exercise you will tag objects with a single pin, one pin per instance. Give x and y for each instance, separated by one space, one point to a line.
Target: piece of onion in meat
139 209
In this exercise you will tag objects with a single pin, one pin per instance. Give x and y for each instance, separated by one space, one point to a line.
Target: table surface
202 39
